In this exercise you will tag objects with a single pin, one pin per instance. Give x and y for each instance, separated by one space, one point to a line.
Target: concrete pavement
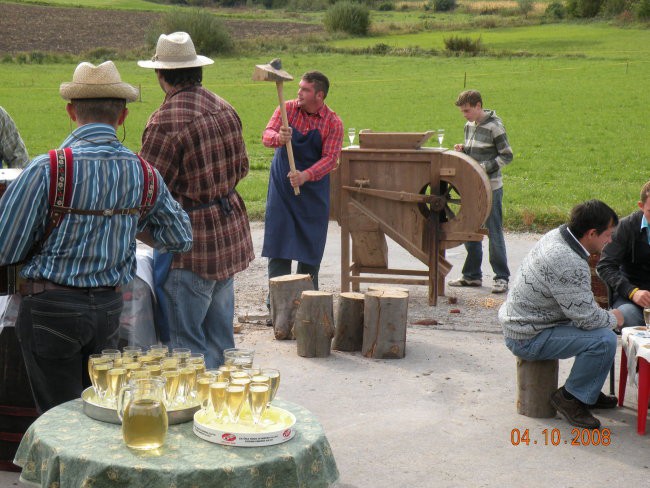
444 416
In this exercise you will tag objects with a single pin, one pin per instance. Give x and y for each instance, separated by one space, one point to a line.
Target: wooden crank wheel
467 196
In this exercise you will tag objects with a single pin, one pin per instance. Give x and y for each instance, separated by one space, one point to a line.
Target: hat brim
158 64
74 91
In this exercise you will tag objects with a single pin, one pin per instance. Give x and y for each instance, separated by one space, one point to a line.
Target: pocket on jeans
113 324
56 335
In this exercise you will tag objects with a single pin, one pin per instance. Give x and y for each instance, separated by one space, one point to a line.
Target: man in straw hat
71 301
195 140
296 226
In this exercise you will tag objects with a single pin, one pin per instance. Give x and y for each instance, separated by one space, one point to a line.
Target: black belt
34 287
223 202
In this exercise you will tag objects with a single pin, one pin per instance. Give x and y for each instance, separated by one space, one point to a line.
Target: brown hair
320 81
469 96
645 192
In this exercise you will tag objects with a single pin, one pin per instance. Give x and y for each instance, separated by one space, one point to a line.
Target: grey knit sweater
552 287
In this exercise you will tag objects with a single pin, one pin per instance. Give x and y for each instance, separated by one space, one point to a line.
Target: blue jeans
632 313
57 331
496 245
594 352
200 314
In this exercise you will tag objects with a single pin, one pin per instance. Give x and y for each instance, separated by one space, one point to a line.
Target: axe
274 72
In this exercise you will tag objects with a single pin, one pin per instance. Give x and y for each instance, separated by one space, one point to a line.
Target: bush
613 7
444 5
555 10
525 6
457 44
349 17
642 10
208 33
584 9
386 6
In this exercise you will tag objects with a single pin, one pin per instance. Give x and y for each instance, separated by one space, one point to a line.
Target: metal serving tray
105 414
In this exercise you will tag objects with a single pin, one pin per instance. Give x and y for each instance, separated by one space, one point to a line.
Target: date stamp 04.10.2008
553 437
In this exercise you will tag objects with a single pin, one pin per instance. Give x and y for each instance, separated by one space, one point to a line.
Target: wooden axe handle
285 123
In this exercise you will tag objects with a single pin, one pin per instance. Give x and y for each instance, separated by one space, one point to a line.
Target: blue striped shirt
88 250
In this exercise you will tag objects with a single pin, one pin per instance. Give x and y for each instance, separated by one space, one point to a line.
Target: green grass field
575 113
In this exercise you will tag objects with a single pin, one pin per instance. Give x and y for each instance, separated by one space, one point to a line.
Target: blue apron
295 226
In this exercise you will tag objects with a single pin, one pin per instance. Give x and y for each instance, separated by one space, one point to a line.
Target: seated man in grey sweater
550 312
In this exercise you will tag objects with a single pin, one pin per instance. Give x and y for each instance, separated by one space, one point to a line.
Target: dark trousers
57 331
281 267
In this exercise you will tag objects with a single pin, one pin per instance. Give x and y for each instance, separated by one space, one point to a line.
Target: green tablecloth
66 449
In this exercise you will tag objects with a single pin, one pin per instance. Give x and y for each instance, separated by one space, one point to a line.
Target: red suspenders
60 196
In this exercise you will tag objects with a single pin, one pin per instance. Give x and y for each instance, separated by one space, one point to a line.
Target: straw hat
175 51
103 81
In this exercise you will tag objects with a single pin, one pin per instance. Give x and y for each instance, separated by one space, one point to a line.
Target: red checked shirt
325 120
195 140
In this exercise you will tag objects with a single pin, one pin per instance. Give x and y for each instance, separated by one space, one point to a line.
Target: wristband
632 293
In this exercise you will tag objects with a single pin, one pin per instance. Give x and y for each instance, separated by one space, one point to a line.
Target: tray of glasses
95 410
277 426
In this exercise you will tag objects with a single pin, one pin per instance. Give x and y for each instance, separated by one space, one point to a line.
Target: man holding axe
295 227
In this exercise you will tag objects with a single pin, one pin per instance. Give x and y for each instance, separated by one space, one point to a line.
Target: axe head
271 72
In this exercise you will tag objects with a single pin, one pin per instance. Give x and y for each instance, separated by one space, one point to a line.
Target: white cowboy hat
103 81
175 51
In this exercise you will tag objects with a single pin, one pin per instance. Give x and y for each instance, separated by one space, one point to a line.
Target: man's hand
459 147
298 178
285 135
619 317
642 298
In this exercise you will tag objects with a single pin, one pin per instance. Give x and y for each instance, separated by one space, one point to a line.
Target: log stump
349 322
285 292
384 324
314 324
536 381
388 288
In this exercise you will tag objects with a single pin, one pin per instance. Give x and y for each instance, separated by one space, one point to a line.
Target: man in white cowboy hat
71 301
195 140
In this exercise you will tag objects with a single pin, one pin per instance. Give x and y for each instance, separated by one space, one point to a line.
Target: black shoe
604 401
269 323
574 411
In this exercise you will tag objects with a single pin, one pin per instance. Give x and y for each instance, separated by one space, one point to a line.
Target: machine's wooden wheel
467 196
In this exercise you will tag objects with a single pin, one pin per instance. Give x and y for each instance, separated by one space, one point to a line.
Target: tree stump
349 322
285 292
536 381
388 288
314 324
384 324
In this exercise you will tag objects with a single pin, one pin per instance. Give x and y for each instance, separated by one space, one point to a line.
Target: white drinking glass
351 134
441 137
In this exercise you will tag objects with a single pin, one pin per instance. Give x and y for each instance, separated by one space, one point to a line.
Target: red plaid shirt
325 120
195 140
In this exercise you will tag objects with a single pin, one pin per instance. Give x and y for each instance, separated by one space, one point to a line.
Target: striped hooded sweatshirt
487 143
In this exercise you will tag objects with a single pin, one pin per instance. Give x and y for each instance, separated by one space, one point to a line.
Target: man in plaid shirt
295 226
195 140
12 149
